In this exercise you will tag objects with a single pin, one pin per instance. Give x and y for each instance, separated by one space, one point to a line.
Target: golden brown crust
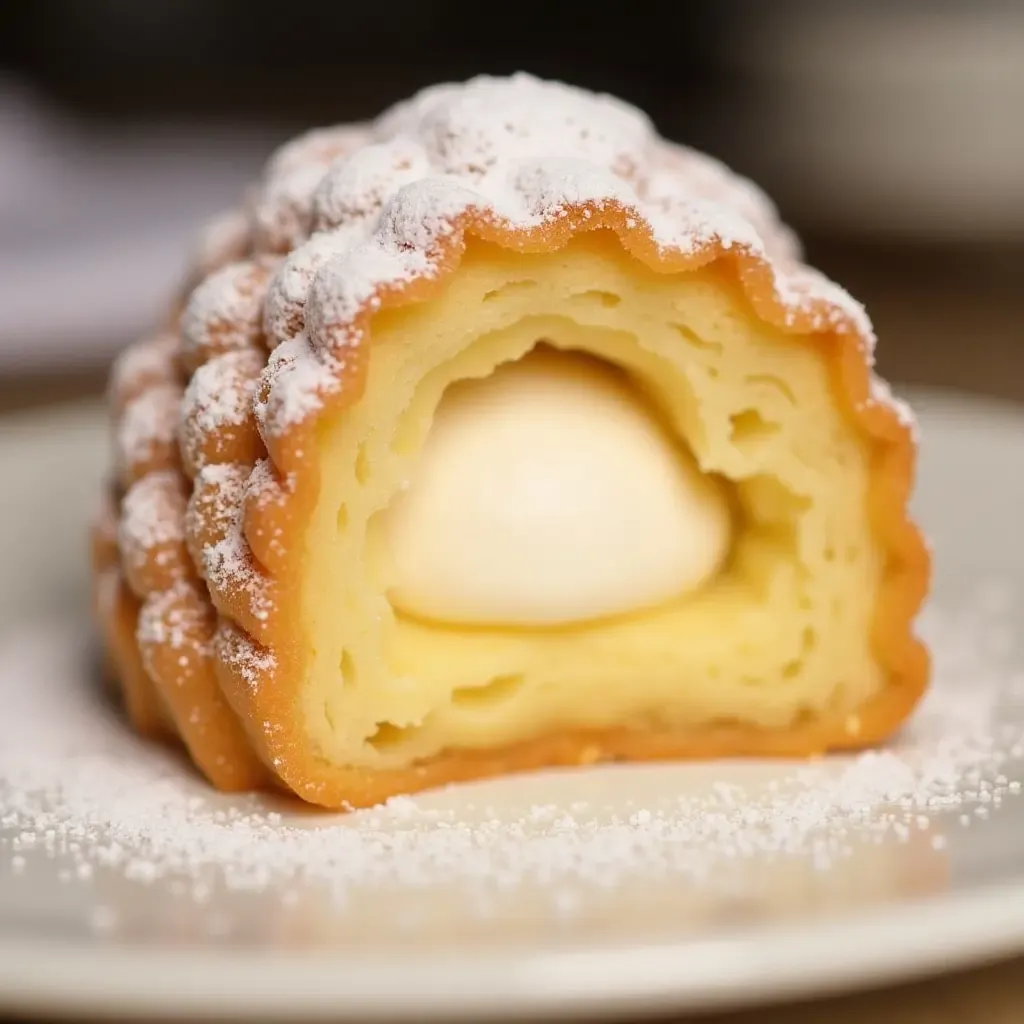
355 788
156 621
151 534
147 435
225 313
216 493
175 640
119 620
217 426
145 365
226 238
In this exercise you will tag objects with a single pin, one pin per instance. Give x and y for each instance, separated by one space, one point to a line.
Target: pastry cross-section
499 433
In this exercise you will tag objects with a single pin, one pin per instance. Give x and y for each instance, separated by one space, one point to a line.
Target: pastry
500 433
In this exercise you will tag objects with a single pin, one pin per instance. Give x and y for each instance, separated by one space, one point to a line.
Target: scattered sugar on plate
78 788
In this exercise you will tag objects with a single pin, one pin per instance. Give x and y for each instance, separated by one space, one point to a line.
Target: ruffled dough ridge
220 425
158 624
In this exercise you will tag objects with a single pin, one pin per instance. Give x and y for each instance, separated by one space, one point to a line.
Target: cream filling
546 494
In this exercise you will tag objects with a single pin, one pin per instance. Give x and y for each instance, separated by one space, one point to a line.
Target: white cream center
549 494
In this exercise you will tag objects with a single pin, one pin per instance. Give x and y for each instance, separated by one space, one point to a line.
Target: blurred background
891 133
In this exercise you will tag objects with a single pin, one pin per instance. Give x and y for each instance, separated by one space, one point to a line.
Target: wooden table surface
955 319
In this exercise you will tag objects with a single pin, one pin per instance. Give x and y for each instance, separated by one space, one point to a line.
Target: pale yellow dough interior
782 632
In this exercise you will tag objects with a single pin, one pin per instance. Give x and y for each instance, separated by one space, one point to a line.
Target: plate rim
728 970
734 970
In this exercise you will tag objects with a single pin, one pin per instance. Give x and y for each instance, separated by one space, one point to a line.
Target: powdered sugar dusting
284 311
173 618
378 201
140 366
355 190
235 648
228 566
263 485
152 513
74 784
219 395
216 497
147 428
882 394
295 381
712 180
282 211
225 312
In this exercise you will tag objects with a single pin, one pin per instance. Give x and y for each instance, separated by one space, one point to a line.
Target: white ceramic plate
613 891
